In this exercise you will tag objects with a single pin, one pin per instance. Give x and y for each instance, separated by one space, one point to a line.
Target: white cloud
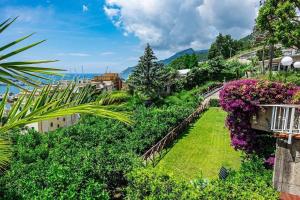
171 25
77 54
85 8
107 53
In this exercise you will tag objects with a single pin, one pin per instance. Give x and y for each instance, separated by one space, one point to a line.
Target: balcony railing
285 119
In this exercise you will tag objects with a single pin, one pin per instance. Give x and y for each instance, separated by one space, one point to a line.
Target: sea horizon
54 79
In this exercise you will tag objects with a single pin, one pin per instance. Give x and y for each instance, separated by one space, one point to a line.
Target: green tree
40 104
223 46
185 62
279 20
288 24
146 77
169 78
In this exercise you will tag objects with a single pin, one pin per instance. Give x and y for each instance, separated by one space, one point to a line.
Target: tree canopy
224 46
146 77
279 18
185 62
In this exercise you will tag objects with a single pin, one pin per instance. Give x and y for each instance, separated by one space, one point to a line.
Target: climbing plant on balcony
241 100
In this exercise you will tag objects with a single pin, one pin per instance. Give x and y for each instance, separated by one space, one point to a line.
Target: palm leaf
52 102
5 152
22 71
6 24
14 42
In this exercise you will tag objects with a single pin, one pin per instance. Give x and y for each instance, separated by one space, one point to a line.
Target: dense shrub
214 103
150 184
252 181
76 162
241 100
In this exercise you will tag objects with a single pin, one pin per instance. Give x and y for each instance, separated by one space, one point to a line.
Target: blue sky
97 34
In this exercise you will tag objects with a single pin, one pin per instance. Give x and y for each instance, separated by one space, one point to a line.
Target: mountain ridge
125 73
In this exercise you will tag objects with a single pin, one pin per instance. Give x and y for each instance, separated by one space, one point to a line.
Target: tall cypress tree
146 77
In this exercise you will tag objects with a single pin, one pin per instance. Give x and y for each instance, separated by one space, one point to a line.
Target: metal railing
285 119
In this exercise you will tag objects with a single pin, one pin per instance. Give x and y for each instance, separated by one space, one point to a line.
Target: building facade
55 123
112 79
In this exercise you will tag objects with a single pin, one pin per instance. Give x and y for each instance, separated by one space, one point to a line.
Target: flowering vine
241 99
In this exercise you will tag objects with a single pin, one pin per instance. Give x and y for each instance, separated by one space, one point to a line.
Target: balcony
282 120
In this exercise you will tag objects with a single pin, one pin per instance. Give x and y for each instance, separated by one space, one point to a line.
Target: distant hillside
202 54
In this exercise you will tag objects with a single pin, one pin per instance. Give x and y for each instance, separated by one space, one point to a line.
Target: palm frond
5 152
4 25
22 71
51 102
115 97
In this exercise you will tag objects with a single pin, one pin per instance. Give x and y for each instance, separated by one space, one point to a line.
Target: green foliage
185 62
150 184
252 182
236 69
91 159
147 76
190 97
214 103
86 161
216 69
224 46
154 123
279 20
289 77
260 54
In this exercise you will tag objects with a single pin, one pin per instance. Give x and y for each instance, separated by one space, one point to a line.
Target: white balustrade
285 119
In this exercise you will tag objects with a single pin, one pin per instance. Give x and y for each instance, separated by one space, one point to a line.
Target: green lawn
202 150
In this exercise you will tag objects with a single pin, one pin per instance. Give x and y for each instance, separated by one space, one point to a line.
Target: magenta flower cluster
241 99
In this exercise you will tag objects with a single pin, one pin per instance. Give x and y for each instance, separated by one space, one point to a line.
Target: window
64 119
57 118
51 124
57 125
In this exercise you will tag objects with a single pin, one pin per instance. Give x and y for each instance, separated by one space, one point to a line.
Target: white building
53 124
183 72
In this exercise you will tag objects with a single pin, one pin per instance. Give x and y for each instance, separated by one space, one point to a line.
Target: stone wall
286 176
262 121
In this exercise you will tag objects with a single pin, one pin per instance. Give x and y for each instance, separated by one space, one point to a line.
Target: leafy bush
150 184
76 162
214 103
253 181
152 124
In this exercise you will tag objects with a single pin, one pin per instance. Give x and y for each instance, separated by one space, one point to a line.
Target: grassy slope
202 150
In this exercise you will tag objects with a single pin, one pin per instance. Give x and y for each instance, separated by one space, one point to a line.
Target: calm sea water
54 79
